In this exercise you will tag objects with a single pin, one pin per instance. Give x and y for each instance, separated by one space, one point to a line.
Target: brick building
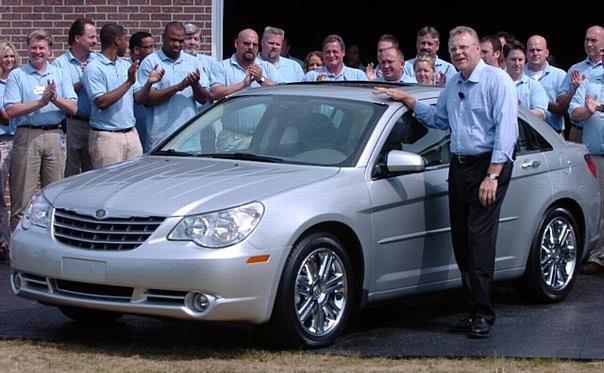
19 17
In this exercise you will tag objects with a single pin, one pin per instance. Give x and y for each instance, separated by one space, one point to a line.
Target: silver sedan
293 206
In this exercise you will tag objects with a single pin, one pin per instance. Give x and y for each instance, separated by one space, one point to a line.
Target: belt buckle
462 159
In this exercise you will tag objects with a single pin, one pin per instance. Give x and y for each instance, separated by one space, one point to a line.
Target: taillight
590 164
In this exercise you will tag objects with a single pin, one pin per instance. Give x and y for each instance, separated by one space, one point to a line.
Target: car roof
352 90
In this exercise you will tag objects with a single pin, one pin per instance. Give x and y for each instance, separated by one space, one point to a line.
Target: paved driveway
412 327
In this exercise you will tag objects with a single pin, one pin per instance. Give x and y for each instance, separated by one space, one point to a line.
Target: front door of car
410 215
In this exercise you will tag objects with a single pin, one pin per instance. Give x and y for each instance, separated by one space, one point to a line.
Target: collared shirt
74 69
593 127
163 118
231 72
404 79
289 70
531 94
481 112
589 69
25 84
347 73
10 129
551 80
102 76
442 67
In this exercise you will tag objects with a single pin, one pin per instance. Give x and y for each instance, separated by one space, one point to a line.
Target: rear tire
552 265
315 295
89 316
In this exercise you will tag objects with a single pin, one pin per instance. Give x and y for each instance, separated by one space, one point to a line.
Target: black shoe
480 328
462 325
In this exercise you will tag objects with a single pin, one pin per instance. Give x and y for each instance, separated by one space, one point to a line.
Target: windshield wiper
244 157
172 152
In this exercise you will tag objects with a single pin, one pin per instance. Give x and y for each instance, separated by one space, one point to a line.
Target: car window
309 130
410 135
529 140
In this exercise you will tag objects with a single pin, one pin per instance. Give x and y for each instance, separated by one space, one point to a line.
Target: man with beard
427 44
109 81
81 40
241 71
272 40
172 101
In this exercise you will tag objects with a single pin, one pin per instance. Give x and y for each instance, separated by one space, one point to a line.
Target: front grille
94 290
88 232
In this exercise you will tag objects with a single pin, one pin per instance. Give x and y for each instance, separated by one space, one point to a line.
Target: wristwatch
261 79
493 176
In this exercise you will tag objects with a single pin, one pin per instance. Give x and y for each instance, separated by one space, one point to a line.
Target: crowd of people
87 109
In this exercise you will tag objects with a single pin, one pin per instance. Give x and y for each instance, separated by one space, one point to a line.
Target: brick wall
20 17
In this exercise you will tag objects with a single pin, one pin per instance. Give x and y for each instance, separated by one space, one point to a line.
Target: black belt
85 118
124 130
465 159
43 127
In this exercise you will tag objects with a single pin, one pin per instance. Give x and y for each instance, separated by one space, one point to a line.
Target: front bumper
158 278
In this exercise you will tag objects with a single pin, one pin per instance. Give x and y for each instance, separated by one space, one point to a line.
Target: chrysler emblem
101 213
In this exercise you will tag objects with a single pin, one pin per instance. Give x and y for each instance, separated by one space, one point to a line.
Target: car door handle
533 164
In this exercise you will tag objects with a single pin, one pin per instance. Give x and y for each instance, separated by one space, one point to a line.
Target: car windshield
321 131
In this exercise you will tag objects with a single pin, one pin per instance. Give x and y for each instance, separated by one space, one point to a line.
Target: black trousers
474 229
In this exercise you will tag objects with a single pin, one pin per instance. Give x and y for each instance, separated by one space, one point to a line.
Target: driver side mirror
400 161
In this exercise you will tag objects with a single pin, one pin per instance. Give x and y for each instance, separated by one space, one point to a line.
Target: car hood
170 186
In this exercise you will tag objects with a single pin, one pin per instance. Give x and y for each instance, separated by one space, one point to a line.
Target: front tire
315 294
552 266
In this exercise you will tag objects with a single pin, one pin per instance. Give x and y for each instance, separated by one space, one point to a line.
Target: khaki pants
38 157
78 159
107 148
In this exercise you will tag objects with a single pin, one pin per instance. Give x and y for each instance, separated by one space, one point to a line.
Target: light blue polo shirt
551 80
593 127
347 73
483 119
164 118
589 69
289 70
101 76
74 69
25 84
531 94
207 63
404 79
231 72
442 67
10 129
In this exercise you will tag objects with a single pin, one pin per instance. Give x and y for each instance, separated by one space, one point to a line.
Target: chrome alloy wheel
321 292
558 253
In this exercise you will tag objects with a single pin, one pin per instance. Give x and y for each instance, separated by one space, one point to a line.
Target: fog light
199 302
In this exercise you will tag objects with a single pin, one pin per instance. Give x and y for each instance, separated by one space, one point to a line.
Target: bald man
590 68
550 77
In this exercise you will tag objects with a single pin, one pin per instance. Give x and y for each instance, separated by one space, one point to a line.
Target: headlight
37 212
220 228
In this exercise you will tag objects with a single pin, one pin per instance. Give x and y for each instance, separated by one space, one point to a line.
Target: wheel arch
575 209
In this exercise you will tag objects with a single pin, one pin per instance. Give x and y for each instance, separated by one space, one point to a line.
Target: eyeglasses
461 95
